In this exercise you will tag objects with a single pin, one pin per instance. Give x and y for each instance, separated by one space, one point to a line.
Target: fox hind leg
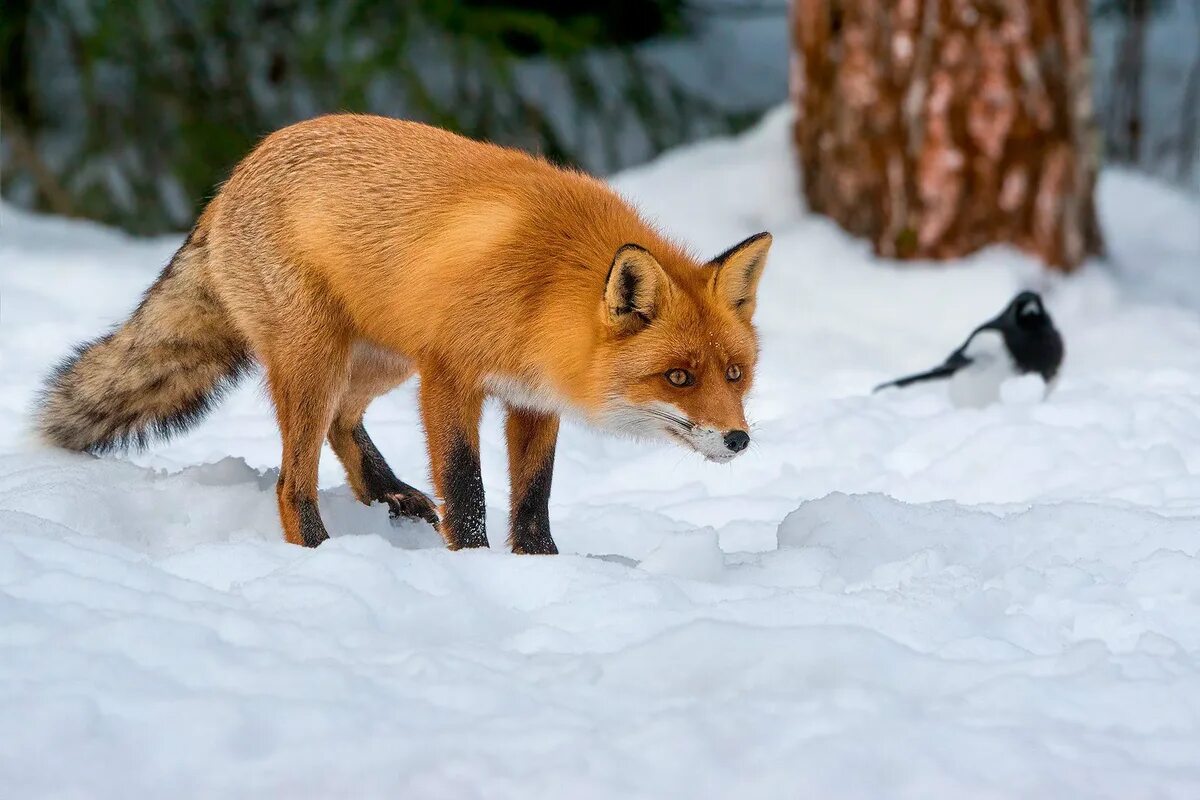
371 477
305 394
366 470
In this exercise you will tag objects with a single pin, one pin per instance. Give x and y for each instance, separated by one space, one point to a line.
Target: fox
347 253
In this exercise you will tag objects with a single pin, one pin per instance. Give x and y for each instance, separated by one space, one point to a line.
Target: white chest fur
522 395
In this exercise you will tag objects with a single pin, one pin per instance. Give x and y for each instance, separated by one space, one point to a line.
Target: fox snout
713 443
722 445
736 441
730 434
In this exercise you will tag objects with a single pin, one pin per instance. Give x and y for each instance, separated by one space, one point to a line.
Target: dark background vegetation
131 111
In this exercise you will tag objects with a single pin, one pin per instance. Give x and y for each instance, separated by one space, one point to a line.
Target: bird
1021 340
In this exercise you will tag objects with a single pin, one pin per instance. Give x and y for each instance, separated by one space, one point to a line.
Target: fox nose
737 441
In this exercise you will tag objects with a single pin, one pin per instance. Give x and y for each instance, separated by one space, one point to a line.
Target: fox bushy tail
155 375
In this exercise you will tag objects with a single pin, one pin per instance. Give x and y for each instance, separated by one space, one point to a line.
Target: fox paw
412 504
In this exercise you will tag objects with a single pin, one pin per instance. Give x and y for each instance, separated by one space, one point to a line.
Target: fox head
680 349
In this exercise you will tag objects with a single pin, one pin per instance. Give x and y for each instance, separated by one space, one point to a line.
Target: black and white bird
1022 340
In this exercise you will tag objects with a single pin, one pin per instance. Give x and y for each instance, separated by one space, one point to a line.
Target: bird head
1027 311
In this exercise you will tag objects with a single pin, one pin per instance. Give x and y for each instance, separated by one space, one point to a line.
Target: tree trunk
936 127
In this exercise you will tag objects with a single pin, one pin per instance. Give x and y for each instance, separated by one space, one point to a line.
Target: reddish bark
936 127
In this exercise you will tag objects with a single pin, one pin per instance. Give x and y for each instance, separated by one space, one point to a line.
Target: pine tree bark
937 127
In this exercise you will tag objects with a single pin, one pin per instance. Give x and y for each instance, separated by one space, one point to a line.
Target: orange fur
348 252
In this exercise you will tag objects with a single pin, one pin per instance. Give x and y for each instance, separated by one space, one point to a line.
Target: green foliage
132 111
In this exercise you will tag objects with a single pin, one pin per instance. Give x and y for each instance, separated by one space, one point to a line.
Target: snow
886 596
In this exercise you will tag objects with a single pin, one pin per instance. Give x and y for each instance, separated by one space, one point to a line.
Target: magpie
1020 341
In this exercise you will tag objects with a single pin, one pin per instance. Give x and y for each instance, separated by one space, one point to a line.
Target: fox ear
738 270
632 290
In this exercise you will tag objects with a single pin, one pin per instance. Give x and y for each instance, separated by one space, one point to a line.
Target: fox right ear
631 292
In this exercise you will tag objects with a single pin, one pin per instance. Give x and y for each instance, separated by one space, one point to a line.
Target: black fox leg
451 415
531 440
370 476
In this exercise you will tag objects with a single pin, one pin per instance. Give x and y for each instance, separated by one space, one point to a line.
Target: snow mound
950 650
1041 579
886 596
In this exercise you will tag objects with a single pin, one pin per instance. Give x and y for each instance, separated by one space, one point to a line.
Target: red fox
347 253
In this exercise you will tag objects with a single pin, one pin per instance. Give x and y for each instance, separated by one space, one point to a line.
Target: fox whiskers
673 419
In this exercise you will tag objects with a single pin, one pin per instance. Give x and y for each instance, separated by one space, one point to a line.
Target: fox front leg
531 439
451 415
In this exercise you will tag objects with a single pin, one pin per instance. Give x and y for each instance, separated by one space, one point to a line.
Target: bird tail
937 373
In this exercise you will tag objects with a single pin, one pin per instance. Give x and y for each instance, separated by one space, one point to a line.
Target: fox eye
679 377
734 373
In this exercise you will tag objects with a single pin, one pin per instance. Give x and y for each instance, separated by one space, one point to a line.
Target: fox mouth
652 422
722 457
705 441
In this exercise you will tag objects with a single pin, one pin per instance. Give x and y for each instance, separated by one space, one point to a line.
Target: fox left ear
738 270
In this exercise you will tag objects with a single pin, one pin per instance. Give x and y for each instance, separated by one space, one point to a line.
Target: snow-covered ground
886 597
